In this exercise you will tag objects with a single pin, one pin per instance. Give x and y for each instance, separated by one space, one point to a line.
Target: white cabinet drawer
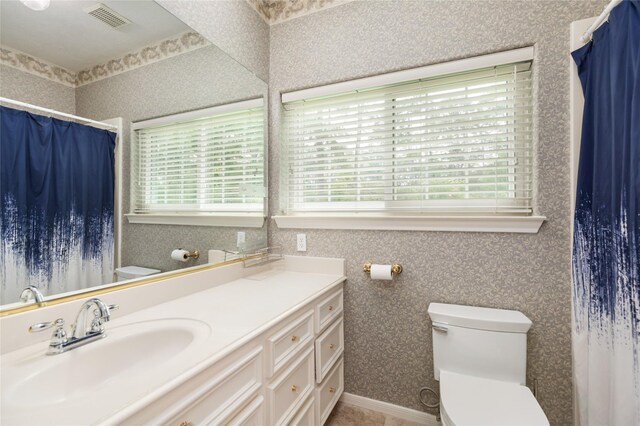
306 414
251 415
232 389
328 309
290 389
288 342
328 393
209 397
329 348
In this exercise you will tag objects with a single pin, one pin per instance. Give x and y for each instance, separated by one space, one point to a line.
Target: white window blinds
457 143
207 161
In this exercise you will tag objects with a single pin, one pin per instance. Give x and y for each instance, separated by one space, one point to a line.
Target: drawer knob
332 390
332 346
294 338
294 388
185 423
330 308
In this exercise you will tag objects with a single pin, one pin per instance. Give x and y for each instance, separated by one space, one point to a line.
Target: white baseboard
390 409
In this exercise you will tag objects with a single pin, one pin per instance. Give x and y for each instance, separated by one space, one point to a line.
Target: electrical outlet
301 240
241 239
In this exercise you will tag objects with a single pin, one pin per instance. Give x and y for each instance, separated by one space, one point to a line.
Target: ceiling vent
106 15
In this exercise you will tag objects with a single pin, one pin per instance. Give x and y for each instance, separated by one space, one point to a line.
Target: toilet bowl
480 361
468 400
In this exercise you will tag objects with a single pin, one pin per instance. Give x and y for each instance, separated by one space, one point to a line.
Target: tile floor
348 415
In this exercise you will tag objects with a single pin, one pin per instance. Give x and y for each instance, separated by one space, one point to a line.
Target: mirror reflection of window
205 161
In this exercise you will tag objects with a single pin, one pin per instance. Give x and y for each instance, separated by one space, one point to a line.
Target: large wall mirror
82 208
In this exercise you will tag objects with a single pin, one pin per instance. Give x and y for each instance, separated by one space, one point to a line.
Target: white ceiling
67 36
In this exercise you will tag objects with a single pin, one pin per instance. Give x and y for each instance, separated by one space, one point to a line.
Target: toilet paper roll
381 272
179 255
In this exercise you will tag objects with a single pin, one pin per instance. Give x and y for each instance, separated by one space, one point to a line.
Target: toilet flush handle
439 328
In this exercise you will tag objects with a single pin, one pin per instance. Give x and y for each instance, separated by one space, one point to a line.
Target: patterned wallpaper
26 87
388 352
164 49
276 11
24 62
232 25
168 48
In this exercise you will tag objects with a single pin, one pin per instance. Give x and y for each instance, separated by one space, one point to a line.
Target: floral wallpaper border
164 49
23 62
276 11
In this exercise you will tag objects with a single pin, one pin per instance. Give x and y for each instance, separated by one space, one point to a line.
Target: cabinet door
290 389
329 348
328 393
288 341
251 415
328 309
306 415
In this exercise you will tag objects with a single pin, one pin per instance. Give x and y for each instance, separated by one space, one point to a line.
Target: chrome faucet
83 331
31 293
100 315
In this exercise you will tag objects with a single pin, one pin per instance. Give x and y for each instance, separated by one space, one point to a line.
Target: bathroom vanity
229 345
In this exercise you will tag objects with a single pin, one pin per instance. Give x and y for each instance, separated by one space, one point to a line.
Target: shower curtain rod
599 20
52 111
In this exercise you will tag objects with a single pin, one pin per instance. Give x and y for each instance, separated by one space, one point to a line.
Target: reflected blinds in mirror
211 163
455 143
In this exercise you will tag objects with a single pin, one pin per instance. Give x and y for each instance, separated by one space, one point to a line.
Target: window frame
225 217
409 220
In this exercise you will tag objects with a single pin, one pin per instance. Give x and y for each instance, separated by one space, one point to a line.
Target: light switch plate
241 239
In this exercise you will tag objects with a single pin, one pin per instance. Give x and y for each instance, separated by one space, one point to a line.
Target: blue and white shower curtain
57 195
606 242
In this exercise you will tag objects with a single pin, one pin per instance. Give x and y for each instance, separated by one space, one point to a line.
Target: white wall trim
199 113
396 411
117 196
513 224
241 220
476 62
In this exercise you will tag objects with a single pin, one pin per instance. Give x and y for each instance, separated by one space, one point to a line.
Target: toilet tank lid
135 271
479 318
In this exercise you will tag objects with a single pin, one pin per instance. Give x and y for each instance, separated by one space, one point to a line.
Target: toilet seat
469 400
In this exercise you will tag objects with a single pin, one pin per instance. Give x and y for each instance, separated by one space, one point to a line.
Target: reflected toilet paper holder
193 254
396 268
182 255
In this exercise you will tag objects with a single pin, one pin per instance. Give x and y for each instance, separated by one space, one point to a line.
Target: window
458 142
207 161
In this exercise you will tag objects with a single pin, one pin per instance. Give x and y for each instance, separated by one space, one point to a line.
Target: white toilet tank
132 272
481 342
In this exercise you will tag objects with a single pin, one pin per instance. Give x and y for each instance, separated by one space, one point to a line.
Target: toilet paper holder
396 268
182 255
193 254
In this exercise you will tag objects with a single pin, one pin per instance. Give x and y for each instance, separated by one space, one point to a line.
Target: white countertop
232 314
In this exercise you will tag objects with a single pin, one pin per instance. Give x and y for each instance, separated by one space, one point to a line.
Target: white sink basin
127 351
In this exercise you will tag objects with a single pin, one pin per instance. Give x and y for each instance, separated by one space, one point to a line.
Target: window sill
512 224
248 220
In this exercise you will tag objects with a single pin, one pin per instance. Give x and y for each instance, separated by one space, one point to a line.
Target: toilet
479 358
133 272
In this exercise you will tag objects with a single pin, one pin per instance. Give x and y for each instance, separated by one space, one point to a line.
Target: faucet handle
41 326
58 338
97 324
96 312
